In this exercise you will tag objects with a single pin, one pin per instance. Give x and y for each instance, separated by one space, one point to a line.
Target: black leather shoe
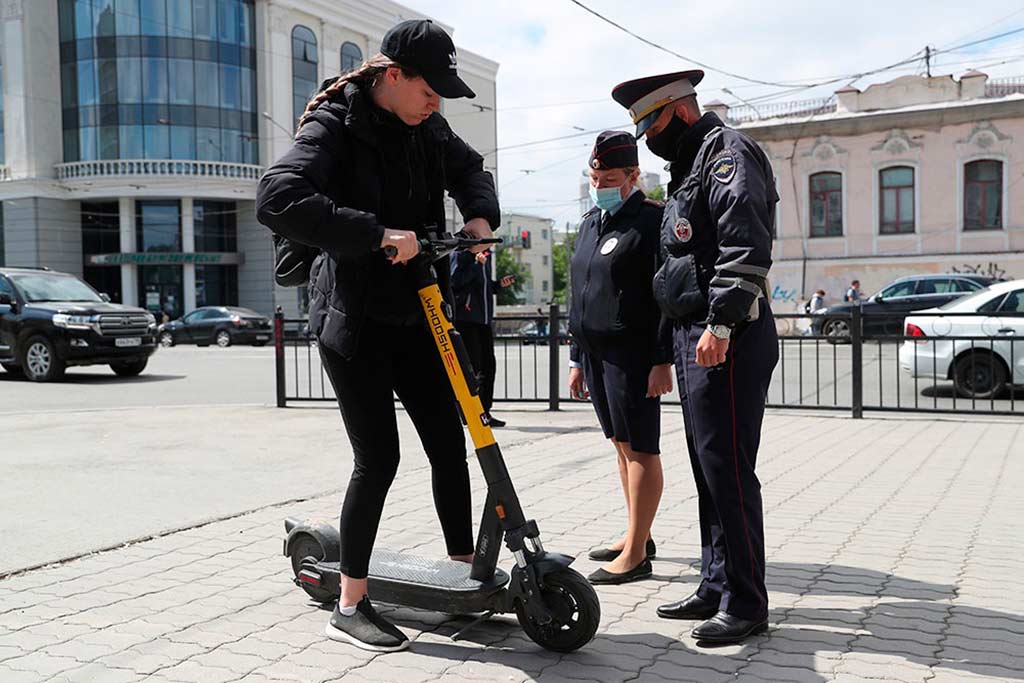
693 607
607 554
494 422
606 578
724 629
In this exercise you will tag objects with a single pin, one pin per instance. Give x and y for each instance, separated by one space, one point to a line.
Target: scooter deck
432 584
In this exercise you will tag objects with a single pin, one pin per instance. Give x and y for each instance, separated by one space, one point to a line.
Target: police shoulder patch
723 167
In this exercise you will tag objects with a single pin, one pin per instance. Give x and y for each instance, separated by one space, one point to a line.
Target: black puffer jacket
353 171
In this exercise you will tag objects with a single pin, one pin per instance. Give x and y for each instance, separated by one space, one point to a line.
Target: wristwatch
720 331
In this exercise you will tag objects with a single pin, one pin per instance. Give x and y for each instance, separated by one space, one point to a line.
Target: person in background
474 290
853 293
817 301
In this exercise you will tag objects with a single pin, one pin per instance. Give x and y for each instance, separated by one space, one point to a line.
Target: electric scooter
556 607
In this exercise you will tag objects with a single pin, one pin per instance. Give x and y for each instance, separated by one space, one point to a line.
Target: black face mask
666 143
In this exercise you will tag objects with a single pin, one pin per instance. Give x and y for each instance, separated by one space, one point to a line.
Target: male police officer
716 242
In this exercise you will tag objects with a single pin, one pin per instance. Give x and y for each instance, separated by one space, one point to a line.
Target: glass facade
304 70
216 286
158 226
159 79
214 224
101 234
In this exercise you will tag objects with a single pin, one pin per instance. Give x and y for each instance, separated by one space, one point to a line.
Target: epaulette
654 202
592 210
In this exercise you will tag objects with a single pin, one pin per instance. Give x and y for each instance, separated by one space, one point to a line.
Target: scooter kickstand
483 617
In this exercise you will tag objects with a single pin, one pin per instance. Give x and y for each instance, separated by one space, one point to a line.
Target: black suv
51 320
884 311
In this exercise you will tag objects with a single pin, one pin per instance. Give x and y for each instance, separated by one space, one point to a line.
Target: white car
991 357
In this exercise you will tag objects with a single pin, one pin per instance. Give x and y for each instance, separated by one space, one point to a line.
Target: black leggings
393 360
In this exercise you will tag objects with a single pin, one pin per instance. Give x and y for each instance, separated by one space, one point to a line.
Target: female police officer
369 167
614 321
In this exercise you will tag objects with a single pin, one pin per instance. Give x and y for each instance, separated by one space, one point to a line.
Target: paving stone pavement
895 551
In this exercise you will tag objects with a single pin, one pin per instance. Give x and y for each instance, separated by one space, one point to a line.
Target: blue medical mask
606 198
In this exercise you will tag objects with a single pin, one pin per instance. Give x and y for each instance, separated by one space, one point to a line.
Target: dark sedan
220 325
883 312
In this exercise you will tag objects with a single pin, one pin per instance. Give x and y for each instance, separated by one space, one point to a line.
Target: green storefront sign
164 259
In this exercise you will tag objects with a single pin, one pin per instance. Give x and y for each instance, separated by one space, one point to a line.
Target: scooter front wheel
575 611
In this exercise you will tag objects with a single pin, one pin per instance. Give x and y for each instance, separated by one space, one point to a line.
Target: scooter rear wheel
306 549
574 607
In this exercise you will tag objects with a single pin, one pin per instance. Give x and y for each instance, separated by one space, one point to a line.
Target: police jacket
611 271
353 171
716 236
473 289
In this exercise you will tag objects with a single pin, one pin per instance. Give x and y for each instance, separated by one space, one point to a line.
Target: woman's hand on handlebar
405 243
480 229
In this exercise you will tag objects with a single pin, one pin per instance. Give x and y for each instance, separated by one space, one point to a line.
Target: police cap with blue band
646 97
614 149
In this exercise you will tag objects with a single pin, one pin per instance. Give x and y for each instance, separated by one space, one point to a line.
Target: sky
558 64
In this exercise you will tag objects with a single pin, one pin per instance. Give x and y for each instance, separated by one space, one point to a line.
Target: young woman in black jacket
371 161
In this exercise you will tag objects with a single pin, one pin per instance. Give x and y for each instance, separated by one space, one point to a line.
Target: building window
149 78
304 69
544 260
351 57
101 228
158 226
216 286
983 195
543 285
826 204
215 227
896 198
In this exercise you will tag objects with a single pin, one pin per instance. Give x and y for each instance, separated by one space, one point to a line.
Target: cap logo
683 230
595 163
452 61
723 168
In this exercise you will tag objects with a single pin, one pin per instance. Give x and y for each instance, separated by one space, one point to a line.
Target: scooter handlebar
438 248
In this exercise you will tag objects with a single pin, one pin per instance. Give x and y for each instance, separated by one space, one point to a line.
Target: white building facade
539 235
134 133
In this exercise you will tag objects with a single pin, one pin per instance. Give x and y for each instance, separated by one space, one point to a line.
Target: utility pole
928 60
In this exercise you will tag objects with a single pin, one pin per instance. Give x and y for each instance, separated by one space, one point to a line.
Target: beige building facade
917 175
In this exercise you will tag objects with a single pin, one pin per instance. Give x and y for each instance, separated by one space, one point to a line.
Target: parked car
978 368
537 332
50 321
882 312
220 325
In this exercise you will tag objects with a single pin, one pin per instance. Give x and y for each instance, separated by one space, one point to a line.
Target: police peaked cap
645 97
614 149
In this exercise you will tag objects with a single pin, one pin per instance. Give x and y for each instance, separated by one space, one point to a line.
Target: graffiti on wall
781 294
992 270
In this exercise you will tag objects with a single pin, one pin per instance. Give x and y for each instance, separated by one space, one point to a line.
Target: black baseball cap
425 48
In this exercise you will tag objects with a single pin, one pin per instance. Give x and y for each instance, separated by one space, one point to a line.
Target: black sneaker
366 629
494 422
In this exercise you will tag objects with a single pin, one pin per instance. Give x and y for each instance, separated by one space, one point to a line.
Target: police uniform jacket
353 171
473 289
716 236
611 271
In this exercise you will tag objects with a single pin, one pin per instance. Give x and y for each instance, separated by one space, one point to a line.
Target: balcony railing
164 168
1001 87
776 110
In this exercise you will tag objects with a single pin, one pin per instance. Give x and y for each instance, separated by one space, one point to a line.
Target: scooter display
555 605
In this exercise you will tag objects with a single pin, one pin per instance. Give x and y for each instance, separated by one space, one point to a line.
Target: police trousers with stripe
723 408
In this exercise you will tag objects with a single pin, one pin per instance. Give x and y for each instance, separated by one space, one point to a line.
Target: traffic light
525 235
